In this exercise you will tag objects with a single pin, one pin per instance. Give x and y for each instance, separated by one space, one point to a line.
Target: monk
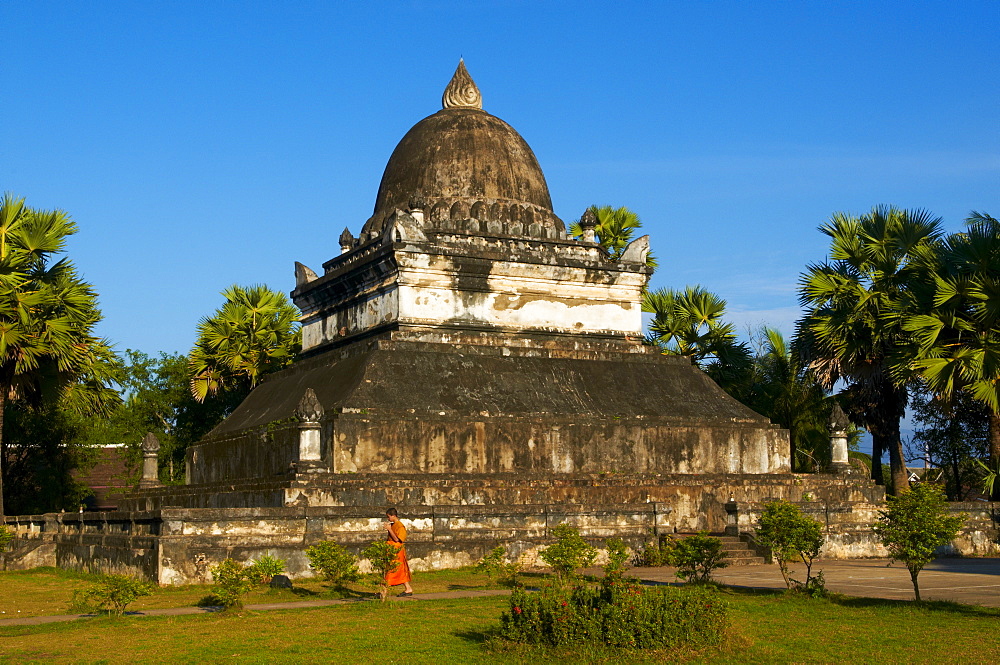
397 537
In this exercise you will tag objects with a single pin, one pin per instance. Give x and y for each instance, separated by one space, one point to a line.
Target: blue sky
201 144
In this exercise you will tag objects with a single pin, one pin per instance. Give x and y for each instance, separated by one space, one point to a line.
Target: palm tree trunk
897 463
995 451
877 449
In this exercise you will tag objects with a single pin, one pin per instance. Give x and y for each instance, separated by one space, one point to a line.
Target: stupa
469 363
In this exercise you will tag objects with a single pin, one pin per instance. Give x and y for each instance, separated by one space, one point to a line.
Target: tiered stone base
454 519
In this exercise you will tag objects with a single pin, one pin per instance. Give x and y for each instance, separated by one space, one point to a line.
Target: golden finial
461 92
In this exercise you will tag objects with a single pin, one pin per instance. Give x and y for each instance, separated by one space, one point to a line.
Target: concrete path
972 581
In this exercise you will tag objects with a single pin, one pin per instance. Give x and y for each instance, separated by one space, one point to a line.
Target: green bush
656 553
496 567
233 580
790 535
334 563
623 615
568 553
265 568
695 557
112 594
618 555
382 559
6 536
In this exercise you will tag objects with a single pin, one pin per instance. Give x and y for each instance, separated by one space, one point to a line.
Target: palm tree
956 332
614 230
852 329
254 333
47 315
789 394
689 323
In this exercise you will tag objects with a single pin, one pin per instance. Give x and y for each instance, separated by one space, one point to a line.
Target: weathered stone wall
175 546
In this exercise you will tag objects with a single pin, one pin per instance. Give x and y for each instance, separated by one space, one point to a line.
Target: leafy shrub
656 553
568 553
618 555
382 558
233 580
622 615
6 536
695 557
496 566
112 594
914 525
790 534
265 568
334 563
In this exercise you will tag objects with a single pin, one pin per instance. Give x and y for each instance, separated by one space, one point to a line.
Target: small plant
914 525
697 556
334 563
263 570
568 553
656 553
233 580
790 534
112 594
618 555
496 566
6 536
381 557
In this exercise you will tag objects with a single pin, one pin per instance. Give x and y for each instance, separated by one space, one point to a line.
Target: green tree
790 534
254 333
914 525
852 329
689 323
48 350
952 436
955 323
568 553
787 391
615 229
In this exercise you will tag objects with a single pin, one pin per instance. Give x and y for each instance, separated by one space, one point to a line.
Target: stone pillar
310 413
588 222
732 517
838 424
150 465
416 206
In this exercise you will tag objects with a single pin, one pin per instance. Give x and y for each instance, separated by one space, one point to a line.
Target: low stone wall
179 545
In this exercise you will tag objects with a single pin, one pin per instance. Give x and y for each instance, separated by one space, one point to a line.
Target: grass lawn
768 628
49 591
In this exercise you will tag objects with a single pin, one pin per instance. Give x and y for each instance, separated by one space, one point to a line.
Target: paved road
972 581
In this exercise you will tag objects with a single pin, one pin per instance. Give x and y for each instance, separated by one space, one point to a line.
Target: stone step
738 552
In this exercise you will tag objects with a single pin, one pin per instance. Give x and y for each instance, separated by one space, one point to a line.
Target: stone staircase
738 552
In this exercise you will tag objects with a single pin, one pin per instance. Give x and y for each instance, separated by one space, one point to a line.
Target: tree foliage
254 333
49 354
569 553
689 323
853 326
790 535
954 323
695 557
951 436
914 525
614 230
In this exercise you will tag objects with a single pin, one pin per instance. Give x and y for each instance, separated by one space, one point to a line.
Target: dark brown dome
464 163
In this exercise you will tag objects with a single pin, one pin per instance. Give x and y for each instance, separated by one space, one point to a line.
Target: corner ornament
461 92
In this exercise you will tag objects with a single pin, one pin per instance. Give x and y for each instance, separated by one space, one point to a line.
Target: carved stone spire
309 409
461 92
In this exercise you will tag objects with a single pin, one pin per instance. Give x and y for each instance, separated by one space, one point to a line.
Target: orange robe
401 574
